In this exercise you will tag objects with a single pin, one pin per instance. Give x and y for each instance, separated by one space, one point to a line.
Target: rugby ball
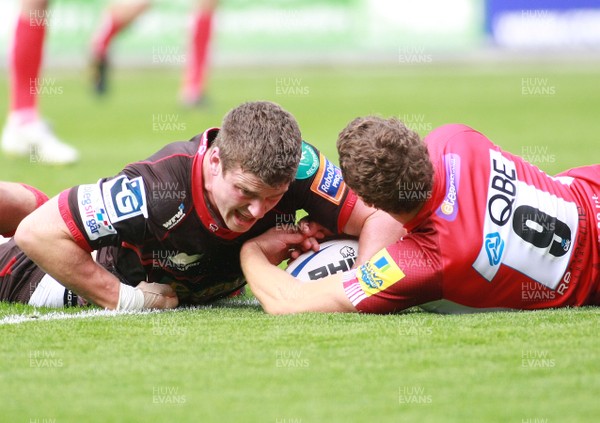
333 257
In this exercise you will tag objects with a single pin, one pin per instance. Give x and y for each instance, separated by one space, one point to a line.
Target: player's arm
44 236
375 229
280 293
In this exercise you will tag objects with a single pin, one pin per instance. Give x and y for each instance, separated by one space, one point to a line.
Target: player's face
241 198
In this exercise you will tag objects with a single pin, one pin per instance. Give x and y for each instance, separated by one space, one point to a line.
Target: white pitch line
85 314
61 315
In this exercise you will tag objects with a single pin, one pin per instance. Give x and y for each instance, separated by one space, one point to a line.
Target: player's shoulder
319 174
175 150
450 132
310 161
458 139
174 161
166 178
183 151
318 183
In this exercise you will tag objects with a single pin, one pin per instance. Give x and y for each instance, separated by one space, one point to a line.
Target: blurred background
328 31
524 72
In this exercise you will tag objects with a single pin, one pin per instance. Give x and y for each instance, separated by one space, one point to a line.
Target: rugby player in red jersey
25 132
486 229
176 221
119 15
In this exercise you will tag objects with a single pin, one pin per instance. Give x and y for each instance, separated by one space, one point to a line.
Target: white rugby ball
333 257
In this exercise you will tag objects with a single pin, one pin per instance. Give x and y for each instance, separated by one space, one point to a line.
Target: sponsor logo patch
93 213
103 218
183 261
494 247
309 162
379 273
449 208
501 196
329 183
125 198
176 218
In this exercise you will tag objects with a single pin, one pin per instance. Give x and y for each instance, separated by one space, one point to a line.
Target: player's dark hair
385 163
263 139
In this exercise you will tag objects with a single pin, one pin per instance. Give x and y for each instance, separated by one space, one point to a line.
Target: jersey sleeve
321 191
398 277
143 201
105 213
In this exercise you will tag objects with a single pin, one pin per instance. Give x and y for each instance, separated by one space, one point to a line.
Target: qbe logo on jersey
125 198
526 228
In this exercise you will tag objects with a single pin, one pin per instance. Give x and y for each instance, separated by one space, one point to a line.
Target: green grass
238 364
116 130
234 363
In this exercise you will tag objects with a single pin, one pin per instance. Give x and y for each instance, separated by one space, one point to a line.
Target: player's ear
214 160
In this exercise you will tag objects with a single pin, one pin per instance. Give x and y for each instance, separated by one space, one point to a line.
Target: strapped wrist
130 298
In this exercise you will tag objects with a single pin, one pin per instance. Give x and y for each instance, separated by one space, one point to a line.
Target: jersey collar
208 221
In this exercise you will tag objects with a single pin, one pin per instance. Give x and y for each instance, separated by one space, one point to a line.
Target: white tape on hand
130 298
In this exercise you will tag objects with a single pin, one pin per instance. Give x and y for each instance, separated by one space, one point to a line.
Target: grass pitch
232 362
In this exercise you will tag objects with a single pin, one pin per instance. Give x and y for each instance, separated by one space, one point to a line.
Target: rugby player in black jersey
168 230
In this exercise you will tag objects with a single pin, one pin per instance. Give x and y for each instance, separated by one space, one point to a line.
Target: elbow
272 309
276 309
25 236
282 301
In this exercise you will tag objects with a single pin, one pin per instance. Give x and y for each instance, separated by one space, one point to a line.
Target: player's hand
278 245
310 228
312 232
158 295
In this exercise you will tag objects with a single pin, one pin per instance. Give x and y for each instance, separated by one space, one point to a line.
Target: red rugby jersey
495 232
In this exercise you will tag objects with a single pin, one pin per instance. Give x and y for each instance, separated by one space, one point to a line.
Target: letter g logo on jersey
125 198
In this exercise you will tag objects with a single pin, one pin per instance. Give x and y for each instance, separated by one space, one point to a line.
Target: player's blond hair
261 138
385 163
